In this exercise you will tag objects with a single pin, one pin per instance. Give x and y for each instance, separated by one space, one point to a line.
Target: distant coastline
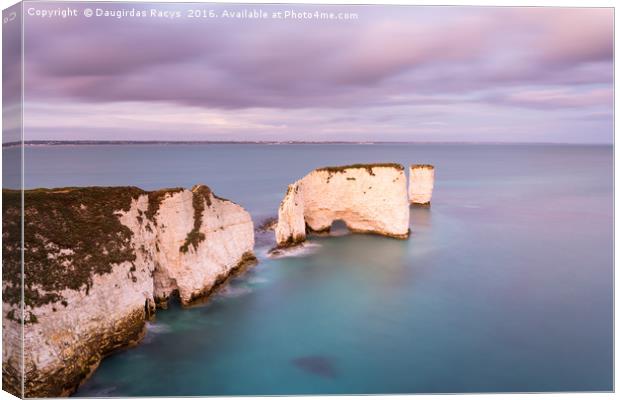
267 142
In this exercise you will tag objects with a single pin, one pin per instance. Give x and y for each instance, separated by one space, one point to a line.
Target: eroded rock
97 261
368 198
421 183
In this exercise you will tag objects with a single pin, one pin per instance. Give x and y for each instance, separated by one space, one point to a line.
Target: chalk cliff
421 183
97 262
369 198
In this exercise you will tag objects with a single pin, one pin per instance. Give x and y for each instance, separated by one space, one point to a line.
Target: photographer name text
194 13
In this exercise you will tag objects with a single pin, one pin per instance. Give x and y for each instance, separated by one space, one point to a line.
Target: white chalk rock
421 183
190 241
291 226
192 269
368 198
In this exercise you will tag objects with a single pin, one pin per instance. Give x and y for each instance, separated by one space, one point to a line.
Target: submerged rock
316 365
368 198
421 183
97 261
299 250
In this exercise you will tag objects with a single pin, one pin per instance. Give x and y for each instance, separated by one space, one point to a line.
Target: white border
522 3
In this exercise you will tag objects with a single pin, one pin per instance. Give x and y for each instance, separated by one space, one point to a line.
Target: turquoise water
504 285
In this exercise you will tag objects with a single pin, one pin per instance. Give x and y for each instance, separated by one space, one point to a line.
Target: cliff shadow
337 228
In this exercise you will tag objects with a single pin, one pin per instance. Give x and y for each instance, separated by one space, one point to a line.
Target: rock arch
368 198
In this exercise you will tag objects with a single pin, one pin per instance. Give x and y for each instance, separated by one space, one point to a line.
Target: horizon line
54 142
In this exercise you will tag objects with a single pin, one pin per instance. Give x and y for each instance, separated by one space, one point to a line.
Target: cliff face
367 198
421 183
98 260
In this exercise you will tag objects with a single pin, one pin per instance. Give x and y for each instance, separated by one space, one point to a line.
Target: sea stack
97 262
368 198
421 182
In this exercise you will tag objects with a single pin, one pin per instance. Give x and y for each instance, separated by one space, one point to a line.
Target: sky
395 73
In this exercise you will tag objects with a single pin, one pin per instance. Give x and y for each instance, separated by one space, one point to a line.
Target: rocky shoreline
99 261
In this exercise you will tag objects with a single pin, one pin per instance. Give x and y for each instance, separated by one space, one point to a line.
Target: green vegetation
368 167
155 199
11 250
70 235
200 195
426 166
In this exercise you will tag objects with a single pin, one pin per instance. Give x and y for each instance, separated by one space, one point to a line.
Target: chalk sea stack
368 198
421 183
97 262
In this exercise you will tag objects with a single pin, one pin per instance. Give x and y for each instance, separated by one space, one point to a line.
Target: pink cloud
558 98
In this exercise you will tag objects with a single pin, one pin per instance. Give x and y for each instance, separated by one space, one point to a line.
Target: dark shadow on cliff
337 228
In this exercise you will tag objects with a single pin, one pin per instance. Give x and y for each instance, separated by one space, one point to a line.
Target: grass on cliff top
155 199
367 167
426 166
70 235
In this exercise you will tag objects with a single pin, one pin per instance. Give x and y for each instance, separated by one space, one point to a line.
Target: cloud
573 36
389 57
217 64
557 98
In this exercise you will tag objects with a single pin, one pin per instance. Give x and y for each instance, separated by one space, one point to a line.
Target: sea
505 284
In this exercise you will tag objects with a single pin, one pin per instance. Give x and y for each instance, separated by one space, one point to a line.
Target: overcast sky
395 74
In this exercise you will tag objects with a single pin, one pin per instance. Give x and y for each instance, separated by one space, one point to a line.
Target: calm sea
505 284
